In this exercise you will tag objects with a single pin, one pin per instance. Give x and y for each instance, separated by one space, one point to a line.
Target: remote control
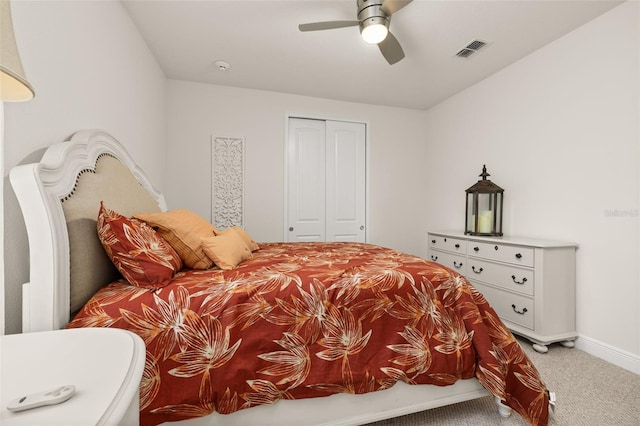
55 396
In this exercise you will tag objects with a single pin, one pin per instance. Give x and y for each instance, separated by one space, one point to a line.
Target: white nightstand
104 364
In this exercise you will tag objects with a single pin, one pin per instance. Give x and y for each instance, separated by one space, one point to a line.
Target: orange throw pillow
253 246
227 250
184 230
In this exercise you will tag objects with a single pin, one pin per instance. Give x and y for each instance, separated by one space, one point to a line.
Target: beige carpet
590 392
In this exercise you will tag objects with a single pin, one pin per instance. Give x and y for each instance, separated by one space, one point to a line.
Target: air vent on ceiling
471 48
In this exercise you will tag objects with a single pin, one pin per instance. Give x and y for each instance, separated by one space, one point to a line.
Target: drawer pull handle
518 256
496 248
457 265
433 241
522 312
476 249
457 246
434 258
524 280
479 271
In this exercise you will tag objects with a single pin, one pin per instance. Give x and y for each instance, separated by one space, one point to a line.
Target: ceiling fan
374 17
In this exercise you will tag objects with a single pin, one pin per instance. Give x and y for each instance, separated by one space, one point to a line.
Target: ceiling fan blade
391 49
329 25
392 6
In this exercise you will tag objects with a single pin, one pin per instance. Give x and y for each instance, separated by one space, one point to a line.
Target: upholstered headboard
60 198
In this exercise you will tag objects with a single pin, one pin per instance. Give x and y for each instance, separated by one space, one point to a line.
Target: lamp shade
13 82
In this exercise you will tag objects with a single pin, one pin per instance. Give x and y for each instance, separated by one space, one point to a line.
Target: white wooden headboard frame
40 187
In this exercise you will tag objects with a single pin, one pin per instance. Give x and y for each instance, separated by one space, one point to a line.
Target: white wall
90 69
559 130
396 157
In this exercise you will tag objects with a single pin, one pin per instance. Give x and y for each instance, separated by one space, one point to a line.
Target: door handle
291 229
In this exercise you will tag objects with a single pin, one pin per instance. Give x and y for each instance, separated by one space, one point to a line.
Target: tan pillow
253 246
184 230
227 249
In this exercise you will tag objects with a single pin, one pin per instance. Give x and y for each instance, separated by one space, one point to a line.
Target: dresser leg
568 344
543 349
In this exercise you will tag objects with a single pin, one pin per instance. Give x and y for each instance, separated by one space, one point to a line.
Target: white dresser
530 283
105 365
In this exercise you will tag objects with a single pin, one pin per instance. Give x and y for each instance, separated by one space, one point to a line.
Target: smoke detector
222 65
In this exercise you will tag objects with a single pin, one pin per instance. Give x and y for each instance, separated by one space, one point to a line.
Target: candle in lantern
485 221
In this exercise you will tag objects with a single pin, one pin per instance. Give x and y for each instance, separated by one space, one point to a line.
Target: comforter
303 320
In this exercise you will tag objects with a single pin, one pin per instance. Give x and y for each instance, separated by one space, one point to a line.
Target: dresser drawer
517 255
510 307
456 245
509 277
450 260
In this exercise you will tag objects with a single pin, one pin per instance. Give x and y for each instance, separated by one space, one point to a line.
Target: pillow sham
142 256
227 250
253 246
184 230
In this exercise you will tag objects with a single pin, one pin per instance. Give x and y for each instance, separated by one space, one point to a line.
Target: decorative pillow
227 249
253 246
136 250
184 230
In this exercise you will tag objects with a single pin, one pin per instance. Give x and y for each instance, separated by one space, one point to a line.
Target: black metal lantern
484 208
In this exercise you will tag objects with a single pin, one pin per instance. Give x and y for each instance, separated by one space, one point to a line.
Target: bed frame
41 189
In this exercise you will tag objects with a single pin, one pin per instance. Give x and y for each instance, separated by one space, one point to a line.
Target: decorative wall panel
227 188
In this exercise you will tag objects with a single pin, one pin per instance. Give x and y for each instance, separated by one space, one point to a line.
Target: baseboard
611 354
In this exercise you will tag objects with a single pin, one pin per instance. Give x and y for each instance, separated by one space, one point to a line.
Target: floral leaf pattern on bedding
150 382
415 355
294 363
302 320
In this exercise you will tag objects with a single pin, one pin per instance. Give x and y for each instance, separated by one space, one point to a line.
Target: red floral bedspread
311 319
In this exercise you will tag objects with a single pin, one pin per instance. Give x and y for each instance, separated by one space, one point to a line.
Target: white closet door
326 181
306 180
345 180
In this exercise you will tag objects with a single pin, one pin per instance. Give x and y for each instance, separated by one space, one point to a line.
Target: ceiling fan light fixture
374 30
374 18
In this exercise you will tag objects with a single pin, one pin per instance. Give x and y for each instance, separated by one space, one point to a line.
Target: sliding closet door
326 181
345 171
306 151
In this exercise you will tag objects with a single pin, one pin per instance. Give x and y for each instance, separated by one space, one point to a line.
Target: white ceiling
261 41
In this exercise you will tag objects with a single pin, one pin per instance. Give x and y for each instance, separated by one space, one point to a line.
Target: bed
293 334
